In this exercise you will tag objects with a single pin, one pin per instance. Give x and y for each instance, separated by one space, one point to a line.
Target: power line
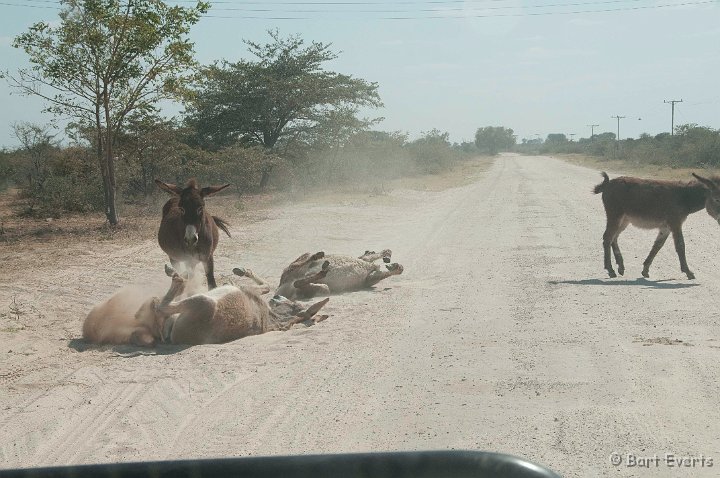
28 6
430 10
592 130
672 117
461 17
618 120
617 139
295 4
433 17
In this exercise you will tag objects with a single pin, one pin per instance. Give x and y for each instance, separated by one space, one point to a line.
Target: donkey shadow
127 351
640 281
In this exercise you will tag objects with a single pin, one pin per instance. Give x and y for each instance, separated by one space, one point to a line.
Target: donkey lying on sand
229 313
316 274
654 204
220 315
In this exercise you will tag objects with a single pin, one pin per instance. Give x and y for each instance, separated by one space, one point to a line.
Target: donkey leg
616 249
680 248
177 286
209 266
306 258
618 257
610 236
263 288
309 279
372 256
659 242
376 276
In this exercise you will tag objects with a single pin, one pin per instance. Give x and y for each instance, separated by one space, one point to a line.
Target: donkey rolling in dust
220 315
229 312
654 204
188 234
316 274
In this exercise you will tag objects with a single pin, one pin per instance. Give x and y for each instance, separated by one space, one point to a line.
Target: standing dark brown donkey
654 204
188 233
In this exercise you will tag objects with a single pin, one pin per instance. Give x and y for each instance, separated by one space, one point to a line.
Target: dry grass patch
633 168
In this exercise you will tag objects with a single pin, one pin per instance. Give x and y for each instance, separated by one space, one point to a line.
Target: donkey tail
601 187
222 225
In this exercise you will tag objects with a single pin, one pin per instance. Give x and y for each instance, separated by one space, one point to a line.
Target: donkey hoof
646 273
621 271
239 271
690 275
612 274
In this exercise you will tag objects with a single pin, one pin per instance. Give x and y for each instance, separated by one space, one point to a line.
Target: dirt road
503 334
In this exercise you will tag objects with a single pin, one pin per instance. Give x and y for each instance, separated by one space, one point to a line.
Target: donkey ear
708 183
313 309
169 188
210 190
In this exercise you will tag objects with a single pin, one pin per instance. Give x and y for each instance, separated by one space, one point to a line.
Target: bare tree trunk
269 141
265 177
111 211
99 151
109 182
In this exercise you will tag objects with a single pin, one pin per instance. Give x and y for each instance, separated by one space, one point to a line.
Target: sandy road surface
503 334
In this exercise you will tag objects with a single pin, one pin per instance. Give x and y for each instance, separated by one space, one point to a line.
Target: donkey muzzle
191 236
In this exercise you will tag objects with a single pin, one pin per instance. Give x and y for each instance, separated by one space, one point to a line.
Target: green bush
69 182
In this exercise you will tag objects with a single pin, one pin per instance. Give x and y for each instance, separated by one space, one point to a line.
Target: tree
149 147
284 93
104 60
493 139
556 139
38 146
432 151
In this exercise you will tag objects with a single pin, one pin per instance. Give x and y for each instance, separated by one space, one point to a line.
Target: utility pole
592 130
617 140
672 118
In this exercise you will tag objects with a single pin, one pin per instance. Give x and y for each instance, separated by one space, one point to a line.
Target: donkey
188 233
316 274
654 204
128 318
229 312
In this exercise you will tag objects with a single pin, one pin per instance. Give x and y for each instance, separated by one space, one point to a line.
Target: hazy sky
537 67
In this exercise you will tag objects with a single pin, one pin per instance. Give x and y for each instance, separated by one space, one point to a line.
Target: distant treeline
690 146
